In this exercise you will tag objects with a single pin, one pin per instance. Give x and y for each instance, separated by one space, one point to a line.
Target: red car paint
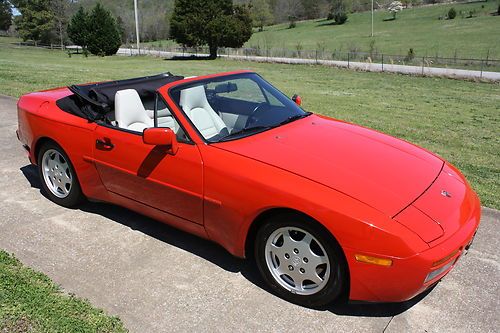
375 194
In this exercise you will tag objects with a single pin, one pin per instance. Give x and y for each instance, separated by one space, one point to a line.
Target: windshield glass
235 106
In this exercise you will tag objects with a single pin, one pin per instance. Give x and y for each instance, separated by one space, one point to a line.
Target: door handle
106 144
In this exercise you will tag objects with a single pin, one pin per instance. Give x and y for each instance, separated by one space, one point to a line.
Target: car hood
385 173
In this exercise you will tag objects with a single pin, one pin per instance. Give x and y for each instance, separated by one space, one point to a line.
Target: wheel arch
261 219
39 144
263 216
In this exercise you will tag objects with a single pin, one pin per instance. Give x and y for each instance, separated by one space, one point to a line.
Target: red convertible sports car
321 205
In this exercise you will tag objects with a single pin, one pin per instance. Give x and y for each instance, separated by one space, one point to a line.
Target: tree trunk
213 51
61 35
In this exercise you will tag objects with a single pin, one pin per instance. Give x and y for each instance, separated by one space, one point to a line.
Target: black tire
338 274
75 195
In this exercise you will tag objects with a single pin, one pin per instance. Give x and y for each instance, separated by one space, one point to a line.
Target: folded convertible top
97 99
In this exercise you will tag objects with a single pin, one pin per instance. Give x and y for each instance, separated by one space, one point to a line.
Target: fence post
481 75
423 64
382 62
348 60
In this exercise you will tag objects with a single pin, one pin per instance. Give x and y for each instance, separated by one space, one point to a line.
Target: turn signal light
373 260
445 259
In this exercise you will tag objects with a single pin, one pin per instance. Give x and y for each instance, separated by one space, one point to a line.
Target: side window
165 118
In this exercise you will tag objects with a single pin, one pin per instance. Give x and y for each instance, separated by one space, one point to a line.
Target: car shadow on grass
217 255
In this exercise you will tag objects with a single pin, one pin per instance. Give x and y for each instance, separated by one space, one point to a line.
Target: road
158 279
364 66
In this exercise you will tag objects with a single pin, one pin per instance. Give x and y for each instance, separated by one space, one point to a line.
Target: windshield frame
214 78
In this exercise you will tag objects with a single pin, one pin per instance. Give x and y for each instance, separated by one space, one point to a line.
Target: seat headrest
194 97
129 108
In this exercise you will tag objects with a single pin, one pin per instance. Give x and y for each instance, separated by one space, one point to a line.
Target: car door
151 175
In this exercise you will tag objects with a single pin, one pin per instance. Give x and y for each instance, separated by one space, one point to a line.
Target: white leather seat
164 118
129 111
195 104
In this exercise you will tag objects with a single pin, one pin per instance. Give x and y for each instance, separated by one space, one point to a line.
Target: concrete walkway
158 279
370 67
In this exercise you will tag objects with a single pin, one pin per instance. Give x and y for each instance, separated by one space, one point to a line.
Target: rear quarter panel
39 119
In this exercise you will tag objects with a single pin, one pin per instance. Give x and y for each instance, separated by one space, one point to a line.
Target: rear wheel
299 260
59 180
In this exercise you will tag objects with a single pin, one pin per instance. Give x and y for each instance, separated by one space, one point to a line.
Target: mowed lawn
418 28
458 120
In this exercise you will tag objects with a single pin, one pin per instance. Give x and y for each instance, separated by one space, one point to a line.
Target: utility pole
137 27
372 19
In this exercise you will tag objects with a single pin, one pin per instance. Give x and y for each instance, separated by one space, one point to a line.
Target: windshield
235 106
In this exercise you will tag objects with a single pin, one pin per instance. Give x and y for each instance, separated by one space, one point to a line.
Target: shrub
338 12
452 13
472 13
340 17
395 7
410 56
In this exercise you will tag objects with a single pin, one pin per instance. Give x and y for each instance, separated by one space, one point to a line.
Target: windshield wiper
245 130
295 117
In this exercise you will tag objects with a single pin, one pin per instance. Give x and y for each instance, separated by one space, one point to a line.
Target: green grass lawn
418 28
30 302
459 120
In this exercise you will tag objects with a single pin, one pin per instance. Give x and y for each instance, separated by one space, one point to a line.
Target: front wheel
59 180
300 261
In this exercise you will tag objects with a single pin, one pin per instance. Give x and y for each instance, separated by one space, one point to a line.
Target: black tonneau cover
95 100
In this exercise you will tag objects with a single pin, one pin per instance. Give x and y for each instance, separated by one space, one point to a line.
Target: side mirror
157 136
297 99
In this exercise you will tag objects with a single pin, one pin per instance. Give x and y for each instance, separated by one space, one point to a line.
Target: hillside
417 28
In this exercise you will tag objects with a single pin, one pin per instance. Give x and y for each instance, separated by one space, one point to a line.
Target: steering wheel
254 116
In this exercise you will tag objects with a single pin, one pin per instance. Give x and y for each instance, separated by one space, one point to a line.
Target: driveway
158 279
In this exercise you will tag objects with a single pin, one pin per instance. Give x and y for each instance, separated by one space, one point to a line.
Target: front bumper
408 277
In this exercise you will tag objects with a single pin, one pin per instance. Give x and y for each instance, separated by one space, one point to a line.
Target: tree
311 8
78 28
339 12
60 10
261 14
394 8
104 37
5 15
36 20
216 23
121 28
289 10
